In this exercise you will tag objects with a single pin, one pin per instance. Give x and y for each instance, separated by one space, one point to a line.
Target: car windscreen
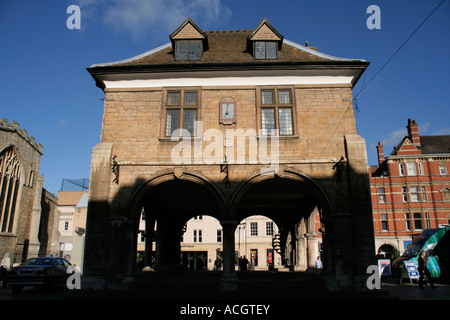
38 262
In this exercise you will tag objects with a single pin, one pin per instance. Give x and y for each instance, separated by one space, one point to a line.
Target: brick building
229 124
28 219
410 189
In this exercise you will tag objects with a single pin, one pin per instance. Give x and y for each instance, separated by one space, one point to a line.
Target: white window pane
195 50
181 50
172 121
271 50
267 97
190 115
284 97
260 50
285 119
267 120
190 98
411 167
173 98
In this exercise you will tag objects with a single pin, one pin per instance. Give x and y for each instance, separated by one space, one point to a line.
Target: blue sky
45 87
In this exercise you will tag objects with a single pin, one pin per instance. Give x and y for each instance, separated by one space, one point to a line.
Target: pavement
269 287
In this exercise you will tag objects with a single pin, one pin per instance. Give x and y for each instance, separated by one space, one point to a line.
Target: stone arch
286 173
168 223
173 175
294 210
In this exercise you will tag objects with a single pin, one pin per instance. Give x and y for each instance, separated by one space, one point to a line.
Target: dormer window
188 50
188 42
265 42
265 50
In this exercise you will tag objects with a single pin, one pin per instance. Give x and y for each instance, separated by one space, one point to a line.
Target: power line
412 34
382 67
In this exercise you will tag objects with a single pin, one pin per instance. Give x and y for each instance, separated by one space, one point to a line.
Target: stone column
361 209
35 220
95 253
229 280
311 244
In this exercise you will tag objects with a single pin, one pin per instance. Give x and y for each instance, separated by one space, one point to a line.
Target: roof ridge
228 31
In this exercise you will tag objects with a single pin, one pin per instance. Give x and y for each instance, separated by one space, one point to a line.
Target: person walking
319 264
4 269
423 270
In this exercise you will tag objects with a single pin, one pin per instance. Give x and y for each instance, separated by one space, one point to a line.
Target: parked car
49 272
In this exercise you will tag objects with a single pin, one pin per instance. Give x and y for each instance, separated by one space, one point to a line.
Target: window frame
182 106
384 222
418 220
189 55
276 106
269 229
253 229
411 169
265 42
381 195
414 192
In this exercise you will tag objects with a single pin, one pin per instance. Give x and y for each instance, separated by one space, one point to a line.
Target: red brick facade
410 189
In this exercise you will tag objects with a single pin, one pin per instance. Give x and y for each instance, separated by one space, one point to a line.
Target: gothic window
9 188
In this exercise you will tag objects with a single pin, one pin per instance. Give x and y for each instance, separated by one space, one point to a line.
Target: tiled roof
229 47
435 144
70 198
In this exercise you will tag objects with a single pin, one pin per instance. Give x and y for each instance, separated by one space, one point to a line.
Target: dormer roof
266 32
188 30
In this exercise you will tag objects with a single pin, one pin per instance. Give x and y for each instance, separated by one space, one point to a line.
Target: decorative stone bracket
115 169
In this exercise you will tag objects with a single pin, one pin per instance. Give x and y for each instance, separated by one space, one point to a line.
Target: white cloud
394 138
157 18
442 131
61 123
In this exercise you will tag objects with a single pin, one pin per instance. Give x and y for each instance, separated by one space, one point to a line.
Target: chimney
380 153
413 132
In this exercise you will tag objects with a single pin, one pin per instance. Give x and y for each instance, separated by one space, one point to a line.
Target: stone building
203 237
229 124
28 220
72 207
410 189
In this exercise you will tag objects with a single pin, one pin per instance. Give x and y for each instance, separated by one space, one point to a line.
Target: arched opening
298 206
162 208
387 251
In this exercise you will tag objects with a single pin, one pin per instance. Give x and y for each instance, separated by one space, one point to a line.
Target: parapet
14 126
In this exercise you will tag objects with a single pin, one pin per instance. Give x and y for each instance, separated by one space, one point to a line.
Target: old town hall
229 124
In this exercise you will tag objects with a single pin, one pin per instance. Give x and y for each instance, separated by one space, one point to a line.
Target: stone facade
312 176
28 221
